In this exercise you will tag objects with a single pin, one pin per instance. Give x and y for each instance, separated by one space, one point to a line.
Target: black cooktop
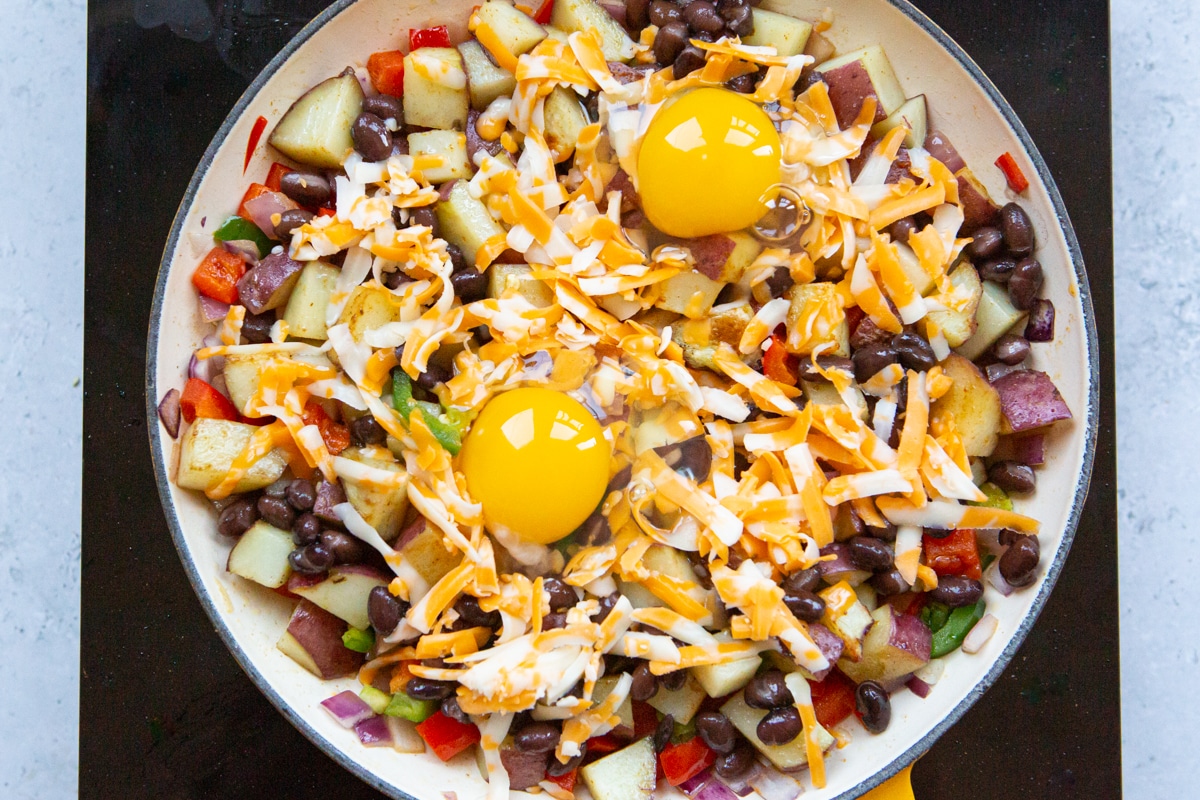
166 713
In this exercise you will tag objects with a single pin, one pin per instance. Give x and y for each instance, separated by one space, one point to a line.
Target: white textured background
1156 65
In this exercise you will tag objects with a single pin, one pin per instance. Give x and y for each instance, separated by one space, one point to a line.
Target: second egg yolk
537 461
707 164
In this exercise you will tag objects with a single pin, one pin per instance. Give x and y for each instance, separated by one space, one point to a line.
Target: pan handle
898 787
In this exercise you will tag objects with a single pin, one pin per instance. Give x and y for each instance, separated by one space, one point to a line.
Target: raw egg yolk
707 164
538 462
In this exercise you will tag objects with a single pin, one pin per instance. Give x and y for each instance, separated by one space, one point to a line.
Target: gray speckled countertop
1157 202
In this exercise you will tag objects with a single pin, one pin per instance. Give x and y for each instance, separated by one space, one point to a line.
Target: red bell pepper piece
956 554
200 399
386 69
910 602
256 133
854 315
276 175
833 698
542 15
1012 173
686 760
604 744
335 436
255 190
326 212
566 782
218 275
645 719
447 737
438 36
780 365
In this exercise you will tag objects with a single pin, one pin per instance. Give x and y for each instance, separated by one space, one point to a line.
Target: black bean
607 604
384 610
307 188
888 532
809 373
645 683
1017 230
673 681
371 137
701 15
726 6
237 517
874 706
767 690
739 21
690 457
312 559
556 768
290 220
562 596
1011 349
453 710
663 13
385 107
890 583
914 351
997 270
1025 283
469 612
704 36
554 620
735 764
717 731
690 59
805 605
306 529
780 726
867 552
1013 476
871 359
937 533
469 285
539 737
434 375
1009 537
428 689
780 281
426 217
806 580
1018 564
345 548
256 328
985 243
902 228
637 14
956 591
276 511
366 431
669 42
745 84
662 734
301 494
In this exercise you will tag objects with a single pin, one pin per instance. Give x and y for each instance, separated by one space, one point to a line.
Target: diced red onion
245 248
347 708
771 784
200 368
997 580
212 310
714 790
262 208
445 189
980 634
998 370
218 383
405 738
940 148
918 687
695 783
989 540
932 672
374 732
1040 327
741 785
169 412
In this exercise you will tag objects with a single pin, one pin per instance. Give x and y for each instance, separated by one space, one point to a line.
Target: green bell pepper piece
239 229
681 732
934 615
376 699
447 426
359 641
996 497
412 710
952 634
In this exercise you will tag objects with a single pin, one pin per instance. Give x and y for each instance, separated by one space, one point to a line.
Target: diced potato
587 15
897 645
860 74
564 120
744 252
846 617
823 293
639 596
428 101
449 146
508 279
604 687
427 552
958 326
995 316
918 277
657 318
618 306
464 221
516 30
787 35
690 294
485 80
820 48
913 114
973 405
826 394
719 680
681 704
627 774
978 207
242 375
305 313
700 338
369 307
208 450
316 129
261 555
788 756
384 510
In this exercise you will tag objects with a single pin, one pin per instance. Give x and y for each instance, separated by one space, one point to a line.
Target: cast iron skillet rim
901 761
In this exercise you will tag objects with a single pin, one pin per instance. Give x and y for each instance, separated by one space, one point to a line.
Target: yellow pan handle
899 787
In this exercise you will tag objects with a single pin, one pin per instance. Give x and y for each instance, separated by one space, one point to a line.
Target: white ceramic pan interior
963 104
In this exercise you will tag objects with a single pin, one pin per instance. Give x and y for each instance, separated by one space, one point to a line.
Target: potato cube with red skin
897 645
1029 400
854 77
313 640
